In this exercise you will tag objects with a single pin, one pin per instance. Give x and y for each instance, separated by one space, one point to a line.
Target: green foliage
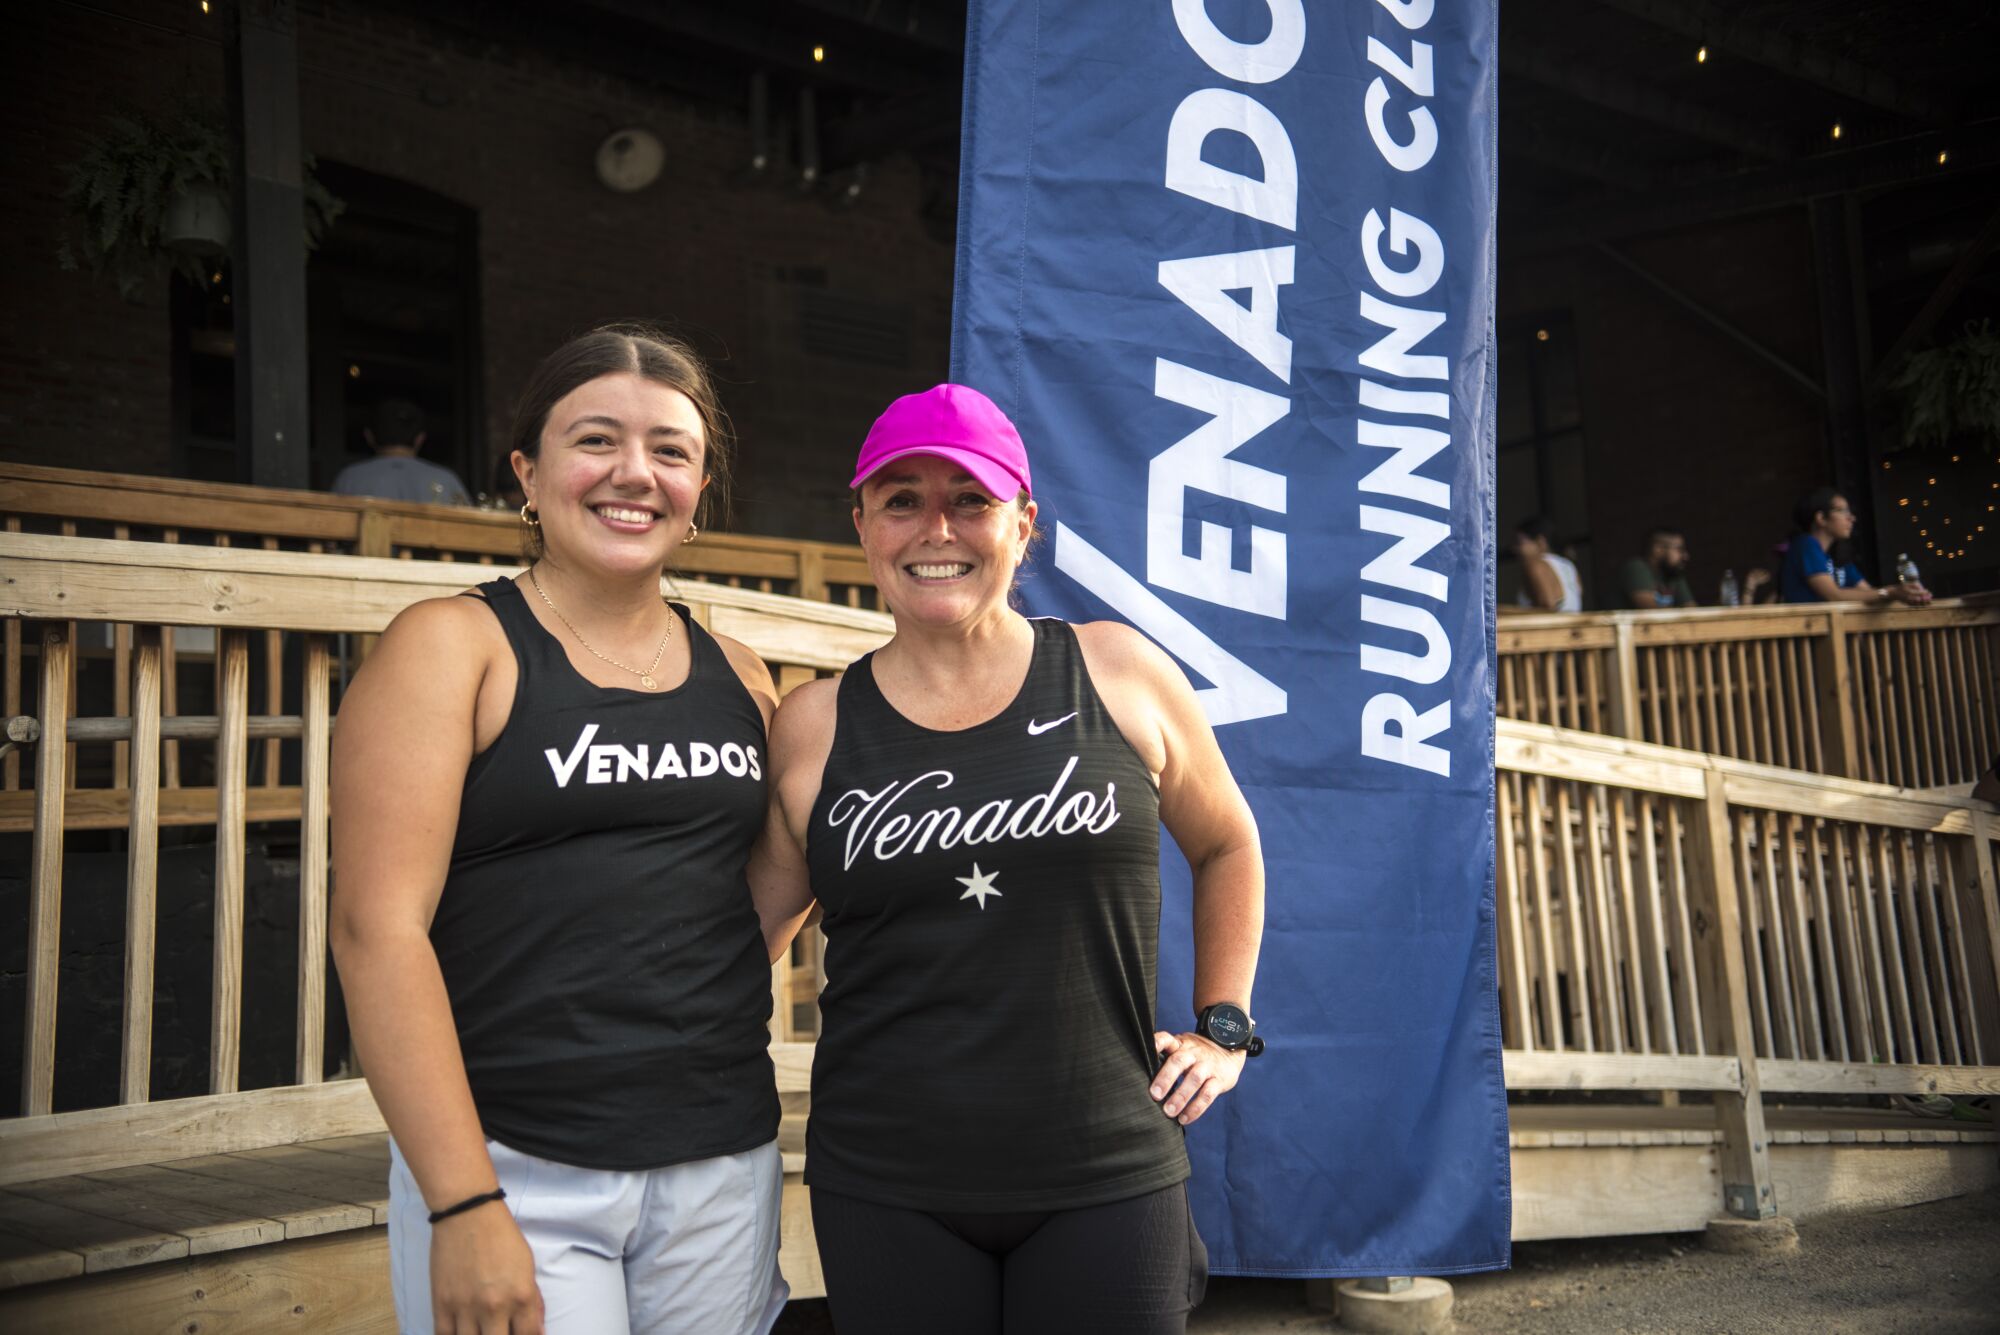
1950 394
120 190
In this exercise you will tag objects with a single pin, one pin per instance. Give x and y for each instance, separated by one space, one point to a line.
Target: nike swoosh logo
1037 729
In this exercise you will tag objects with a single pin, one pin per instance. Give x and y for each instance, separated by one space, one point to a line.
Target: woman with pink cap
996 1141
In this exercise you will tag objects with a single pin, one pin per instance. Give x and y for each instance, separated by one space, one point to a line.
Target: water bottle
1732 593
1906 569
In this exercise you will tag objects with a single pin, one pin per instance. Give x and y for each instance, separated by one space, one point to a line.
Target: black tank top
992 917
605 966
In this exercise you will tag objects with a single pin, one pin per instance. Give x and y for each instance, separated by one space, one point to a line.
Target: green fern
1950 394
120 190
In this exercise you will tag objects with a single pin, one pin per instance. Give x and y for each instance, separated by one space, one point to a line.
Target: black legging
1133 1267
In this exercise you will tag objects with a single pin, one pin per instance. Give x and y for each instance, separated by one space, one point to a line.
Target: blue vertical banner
1229 266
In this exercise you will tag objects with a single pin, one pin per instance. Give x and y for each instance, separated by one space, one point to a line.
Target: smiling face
618 475
942 549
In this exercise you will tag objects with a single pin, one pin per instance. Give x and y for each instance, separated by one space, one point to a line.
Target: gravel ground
1931 1268
1928 1268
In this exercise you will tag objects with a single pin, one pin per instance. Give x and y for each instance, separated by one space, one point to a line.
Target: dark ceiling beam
747 31
1722 325
1615 90
1969 150
607 48
1724 30
940 27
1592 162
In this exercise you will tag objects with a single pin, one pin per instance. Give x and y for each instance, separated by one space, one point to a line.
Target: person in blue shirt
396 473
1818 568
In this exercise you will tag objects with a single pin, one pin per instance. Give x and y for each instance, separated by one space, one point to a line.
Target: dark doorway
392 311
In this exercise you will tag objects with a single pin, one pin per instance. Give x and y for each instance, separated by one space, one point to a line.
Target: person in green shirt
1659 578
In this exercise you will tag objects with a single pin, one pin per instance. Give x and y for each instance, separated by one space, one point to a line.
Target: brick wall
83 374
84 377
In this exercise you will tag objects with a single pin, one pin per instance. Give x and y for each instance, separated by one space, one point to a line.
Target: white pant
691 1248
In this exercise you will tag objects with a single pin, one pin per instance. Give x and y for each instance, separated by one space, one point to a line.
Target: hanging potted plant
152 188
1949 395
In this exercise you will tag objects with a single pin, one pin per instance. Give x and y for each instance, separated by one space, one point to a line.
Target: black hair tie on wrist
470 1202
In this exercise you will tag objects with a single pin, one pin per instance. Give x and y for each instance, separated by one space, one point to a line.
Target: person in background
396 473
1549 582
1659 578
1818 565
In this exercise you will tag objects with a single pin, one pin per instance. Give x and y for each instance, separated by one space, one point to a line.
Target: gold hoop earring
530 516
692 531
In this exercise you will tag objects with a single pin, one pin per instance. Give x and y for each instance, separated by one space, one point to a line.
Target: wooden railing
1676 921
254 769
1667 920
78 503
1901 696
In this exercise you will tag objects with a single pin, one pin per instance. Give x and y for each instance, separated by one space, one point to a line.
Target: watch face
1227 1025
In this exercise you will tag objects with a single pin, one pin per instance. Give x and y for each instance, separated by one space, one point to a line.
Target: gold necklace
646 678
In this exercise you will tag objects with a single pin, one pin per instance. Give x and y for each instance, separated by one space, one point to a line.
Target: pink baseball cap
954 422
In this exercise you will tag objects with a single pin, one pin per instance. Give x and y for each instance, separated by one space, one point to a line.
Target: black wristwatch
1229 1027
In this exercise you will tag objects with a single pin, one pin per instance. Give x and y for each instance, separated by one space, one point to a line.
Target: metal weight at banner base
1230 268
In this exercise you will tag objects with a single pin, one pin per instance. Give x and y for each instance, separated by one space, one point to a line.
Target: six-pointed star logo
978 885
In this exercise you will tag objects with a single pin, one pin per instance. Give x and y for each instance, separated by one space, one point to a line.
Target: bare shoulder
1113 650
806 716
801 741
756 674
439 624
1144 690
430 664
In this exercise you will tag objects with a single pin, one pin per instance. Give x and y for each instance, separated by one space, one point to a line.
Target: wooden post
1625 684
10 690
791 676
232 763
781 998
142 872
1838 740
812 575
1979 909
38 1049
1746 1165
313 848
373 538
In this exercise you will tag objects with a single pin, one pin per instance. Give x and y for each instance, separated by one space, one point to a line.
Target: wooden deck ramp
1715 973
